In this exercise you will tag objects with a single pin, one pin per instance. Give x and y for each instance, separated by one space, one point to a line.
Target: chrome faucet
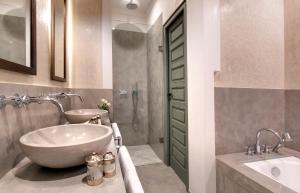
20 101
15 100
63 95
27 100
281 140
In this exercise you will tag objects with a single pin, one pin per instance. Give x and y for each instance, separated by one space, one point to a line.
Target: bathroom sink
83 115
65 145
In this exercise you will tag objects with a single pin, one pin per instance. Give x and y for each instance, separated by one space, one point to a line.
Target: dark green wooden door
175 35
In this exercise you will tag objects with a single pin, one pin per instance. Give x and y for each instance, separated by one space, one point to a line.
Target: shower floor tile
143 155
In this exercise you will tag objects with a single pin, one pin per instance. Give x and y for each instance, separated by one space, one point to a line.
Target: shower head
133 4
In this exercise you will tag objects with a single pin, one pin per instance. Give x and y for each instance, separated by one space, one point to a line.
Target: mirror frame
11 66
52 73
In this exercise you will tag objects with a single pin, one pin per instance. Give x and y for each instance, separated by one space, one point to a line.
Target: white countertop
28 177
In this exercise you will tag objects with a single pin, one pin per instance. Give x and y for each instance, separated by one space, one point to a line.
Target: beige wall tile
87 47
240 113
252 44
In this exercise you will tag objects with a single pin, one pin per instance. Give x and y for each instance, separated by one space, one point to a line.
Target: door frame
181 9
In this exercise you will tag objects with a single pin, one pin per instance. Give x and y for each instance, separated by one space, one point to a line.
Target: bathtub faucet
286 137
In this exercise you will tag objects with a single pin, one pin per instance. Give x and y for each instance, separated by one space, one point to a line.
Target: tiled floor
143 155
158 178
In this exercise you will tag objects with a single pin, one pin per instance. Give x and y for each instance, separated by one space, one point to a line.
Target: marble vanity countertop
233 165
28 177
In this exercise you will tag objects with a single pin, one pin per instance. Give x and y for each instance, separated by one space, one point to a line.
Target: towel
125 160
131 179
132 183
117 134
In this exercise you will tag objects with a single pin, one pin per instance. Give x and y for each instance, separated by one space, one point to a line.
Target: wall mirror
58 40
18 36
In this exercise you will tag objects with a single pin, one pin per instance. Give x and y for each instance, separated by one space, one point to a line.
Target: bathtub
285 171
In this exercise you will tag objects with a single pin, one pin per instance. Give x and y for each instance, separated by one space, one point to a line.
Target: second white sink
83 115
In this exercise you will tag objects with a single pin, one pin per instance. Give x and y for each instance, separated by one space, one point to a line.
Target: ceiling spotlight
133 4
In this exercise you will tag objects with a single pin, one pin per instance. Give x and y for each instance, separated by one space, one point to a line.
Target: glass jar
109 163
94 164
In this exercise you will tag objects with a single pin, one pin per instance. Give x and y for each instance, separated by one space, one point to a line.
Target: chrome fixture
63 95
135 99
123 92
20 101
281 140
27 100
14 100
132 4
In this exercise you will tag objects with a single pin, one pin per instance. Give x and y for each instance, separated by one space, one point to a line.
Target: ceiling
142 10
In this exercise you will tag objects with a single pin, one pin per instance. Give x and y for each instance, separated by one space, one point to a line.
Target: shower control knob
123 92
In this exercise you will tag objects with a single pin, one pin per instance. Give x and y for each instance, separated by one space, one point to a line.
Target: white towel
117 134
131 179
125 160
132 183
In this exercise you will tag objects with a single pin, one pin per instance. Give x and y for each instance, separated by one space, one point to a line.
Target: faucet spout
57 103
27 100
73 94
279 144
63 95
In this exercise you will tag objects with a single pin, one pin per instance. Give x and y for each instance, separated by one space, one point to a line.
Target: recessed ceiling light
133 4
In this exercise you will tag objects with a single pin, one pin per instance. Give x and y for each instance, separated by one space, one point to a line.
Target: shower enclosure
138 85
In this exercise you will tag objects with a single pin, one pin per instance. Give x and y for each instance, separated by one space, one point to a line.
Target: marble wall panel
240 113
251 56
130 74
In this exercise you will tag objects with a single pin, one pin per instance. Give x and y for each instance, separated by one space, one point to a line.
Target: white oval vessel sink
83 115
66 145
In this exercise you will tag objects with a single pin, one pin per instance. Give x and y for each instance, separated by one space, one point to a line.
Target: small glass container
94 164
109 164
